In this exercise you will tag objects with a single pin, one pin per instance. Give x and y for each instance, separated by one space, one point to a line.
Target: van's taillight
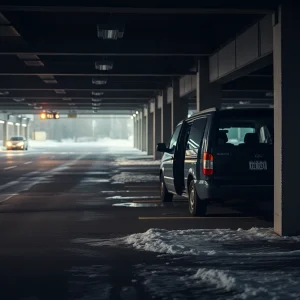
208 164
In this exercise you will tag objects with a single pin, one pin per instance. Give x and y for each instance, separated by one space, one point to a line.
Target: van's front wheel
165 196
197 207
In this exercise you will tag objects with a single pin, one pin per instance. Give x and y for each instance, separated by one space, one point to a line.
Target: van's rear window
240 127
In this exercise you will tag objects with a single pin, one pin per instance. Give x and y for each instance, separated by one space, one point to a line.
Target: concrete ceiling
48 53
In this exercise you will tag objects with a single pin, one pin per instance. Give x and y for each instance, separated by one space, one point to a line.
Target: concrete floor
50 197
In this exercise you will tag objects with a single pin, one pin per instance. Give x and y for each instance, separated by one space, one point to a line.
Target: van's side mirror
161 147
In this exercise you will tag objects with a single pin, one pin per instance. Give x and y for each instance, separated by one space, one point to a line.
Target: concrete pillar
26 130
166 130
16 129
137 132
140 117
208 94
134 133
150 130
179 107
5 133
286 61
156 129
144 130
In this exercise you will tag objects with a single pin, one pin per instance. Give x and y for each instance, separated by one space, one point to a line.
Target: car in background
219 155
17 143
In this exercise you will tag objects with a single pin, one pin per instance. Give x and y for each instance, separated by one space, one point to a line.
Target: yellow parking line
191 218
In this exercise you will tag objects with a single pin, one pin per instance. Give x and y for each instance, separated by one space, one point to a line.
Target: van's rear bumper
208 191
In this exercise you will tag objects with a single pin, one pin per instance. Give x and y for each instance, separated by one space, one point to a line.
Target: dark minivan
219 155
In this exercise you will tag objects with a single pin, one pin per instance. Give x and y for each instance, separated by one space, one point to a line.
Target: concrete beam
248 52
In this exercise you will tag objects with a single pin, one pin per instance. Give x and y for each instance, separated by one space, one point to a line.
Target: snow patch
119 144
126 177
137 162
216 277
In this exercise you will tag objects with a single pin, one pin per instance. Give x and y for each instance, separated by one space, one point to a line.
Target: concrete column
140 117
156 129
5 133
166 130
149 131
286 61
26 130
137 132
144 130
179 107
208 94
134 133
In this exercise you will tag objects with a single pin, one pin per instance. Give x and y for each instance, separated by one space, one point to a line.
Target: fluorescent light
136 112
4 93
244 102
134 115
2 122
229 107
67 99
19 99
17 124
95 93
24 118
10 123
99 81
109 33
96 99
24 125
60 91
131 117
104 65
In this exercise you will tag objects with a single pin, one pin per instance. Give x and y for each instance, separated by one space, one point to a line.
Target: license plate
258 165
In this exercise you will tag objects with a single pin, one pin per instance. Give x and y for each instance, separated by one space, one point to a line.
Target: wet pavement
52 197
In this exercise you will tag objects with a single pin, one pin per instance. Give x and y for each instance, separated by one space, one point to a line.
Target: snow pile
207 241
136 162
216 277
126 177
215 263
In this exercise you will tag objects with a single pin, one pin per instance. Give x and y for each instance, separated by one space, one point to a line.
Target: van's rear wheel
197 207
165 196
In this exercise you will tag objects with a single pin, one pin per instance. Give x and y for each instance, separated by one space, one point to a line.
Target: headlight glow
21 144
8 144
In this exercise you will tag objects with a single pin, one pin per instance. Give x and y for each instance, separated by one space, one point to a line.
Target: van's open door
179 155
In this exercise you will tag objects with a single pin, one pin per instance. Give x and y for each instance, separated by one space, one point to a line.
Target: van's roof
243 110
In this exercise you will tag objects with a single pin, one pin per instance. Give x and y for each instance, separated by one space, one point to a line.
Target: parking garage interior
154 66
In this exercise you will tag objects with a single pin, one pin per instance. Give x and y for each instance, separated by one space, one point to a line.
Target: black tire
165 196
197 207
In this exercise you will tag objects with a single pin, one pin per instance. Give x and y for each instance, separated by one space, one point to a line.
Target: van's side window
196 133
174 137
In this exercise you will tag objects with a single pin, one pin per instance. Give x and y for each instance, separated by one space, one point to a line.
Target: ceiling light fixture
95 93
18 99
104 65
96 104
66 99
60 91
244 102
109 32
5 93
96 99
99 81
